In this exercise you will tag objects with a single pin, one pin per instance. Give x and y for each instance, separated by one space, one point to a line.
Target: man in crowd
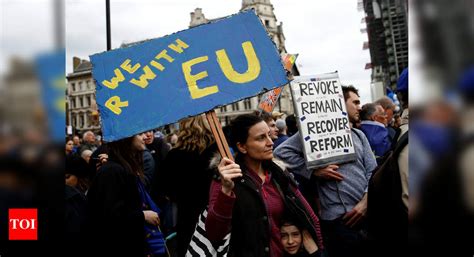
281 125
389 108
267 117
88 140
373 125
342 188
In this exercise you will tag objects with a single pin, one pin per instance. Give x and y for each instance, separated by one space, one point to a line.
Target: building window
81 102
73 87
235 106
88 101
74 121
88 84
267 23
247 104
80 86
81 120
73 102
223 108
89 120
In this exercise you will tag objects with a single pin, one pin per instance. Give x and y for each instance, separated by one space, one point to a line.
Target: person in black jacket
189 159
116 216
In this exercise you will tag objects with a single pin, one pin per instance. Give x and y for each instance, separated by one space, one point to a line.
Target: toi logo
23 224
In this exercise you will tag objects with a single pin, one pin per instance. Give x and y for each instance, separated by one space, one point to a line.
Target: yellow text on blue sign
115 103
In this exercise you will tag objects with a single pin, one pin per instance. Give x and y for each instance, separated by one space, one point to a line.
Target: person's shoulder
356 130
71 193
280 167
292 141
359 134
111 169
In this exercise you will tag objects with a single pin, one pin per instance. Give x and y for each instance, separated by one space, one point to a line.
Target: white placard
323 120
69 130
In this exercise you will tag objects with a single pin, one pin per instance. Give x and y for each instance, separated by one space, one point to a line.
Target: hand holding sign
228 171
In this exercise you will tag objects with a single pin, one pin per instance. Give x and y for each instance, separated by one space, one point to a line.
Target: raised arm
221 201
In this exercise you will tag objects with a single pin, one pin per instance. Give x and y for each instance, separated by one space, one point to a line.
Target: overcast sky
26 29
325 34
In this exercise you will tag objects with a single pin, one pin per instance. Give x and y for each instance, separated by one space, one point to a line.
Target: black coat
75 204
159 150
115 222
188 179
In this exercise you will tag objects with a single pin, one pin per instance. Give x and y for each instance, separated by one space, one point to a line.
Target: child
296 241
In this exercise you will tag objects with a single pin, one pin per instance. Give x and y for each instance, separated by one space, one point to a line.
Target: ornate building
82 112
264 10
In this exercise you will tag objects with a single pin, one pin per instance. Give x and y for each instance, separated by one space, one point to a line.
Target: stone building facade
82 112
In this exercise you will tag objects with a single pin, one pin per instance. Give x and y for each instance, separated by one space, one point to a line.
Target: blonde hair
194 134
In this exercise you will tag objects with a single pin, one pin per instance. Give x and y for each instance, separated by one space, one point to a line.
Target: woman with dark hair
116 209
252 194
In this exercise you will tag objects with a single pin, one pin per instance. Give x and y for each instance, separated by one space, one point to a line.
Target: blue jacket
378 137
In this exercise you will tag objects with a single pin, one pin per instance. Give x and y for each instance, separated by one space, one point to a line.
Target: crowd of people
143 195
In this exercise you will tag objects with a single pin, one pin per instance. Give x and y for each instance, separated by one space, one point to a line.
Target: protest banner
163 80
323 120
51 73
269 99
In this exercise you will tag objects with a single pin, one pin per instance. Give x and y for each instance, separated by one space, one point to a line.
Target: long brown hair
123 152
194 134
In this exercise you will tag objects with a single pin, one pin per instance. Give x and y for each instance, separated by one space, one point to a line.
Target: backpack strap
394 140
357 134
401 143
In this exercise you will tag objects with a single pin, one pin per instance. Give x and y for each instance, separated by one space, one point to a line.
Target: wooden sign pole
218 135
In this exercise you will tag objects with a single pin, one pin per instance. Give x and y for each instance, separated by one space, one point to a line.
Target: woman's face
69 146
138 142
291 238
259 145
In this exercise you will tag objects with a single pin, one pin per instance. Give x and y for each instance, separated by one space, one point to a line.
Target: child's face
290 238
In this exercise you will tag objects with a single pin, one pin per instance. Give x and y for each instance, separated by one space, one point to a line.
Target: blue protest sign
51 72
163 80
